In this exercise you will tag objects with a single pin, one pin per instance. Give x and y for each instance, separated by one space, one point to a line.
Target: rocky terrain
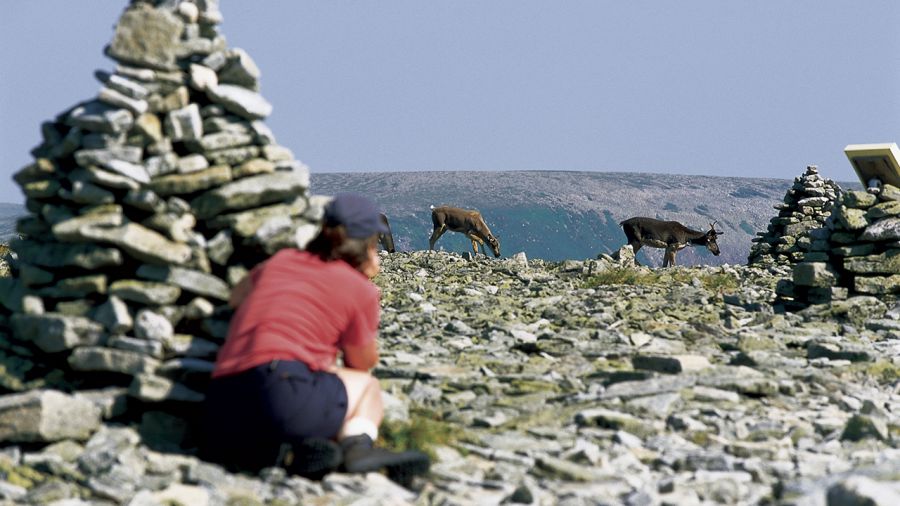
534 382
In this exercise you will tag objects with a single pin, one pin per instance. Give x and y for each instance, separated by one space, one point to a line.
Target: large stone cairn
856 253
146 204
806 206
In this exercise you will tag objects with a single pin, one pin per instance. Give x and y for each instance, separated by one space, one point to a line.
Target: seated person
276 396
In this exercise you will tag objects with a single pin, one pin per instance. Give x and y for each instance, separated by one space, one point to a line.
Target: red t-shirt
300 308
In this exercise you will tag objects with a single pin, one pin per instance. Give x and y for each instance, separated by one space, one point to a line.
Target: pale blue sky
755 88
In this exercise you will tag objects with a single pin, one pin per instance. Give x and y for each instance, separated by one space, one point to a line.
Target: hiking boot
361 456
313 458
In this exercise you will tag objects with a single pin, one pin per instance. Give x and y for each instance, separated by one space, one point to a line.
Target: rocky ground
575 382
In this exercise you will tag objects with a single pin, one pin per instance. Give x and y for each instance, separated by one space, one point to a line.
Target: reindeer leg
438 232
476 241
669 257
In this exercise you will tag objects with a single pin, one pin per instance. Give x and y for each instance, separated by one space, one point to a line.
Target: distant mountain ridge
558 215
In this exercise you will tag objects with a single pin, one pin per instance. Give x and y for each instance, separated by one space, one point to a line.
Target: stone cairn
806 206
856 253
146 204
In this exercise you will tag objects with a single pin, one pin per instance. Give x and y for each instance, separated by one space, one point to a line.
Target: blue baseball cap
357 213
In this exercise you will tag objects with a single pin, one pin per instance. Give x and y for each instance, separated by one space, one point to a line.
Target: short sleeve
362 325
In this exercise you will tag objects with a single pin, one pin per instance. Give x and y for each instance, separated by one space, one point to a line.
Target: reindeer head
494 243
711 237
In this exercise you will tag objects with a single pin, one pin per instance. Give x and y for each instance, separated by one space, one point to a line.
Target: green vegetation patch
424 431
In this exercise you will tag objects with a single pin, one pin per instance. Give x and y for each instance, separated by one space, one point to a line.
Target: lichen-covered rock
45 416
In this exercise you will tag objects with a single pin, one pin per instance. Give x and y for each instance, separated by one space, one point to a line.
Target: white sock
357 426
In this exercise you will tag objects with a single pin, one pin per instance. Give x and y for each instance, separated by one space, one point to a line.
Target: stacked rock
148 203
858 253
806 206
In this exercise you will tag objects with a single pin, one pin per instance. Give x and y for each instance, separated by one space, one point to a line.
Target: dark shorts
249 415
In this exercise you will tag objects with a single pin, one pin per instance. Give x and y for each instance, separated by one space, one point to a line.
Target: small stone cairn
807 204
146 205
856 253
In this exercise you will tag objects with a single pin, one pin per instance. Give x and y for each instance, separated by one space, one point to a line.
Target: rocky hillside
556 215
534 382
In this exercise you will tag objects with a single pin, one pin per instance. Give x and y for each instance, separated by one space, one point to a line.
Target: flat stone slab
54 332
190 280
86 256
192 182
145 292
46 416
241 101
250 192
673 364
96 358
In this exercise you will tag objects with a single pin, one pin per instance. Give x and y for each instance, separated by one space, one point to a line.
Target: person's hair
332 243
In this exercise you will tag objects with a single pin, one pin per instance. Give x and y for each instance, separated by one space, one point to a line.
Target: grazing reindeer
465 221
386 239
671 235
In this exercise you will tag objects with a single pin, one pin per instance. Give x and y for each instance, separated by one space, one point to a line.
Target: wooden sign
875 162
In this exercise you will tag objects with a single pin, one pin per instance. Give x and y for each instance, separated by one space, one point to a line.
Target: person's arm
358 342
363 357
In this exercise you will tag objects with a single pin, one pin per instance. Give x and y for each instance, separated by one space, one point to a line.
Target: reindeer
465 221
671 235
386 239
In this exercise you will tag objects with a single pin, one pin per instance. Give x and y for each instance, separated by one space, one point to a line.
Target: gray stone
146 37
253 167
190 280
852 219
858 199
884 209
155 349
123 84
161 165
115 98
153 326
248 192
145 292
183 184
136 240
225 140
192 163
883 263
96 358
45 416
241 101
239 69
88 157
887 229
877 285
815 274
53 332
127 169
670 364
202 77
55 255
185 124
151 388
87 193
75 287
99 117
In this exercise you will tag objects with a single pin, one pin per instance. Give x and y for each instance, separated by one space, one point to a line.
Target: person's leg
365 409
